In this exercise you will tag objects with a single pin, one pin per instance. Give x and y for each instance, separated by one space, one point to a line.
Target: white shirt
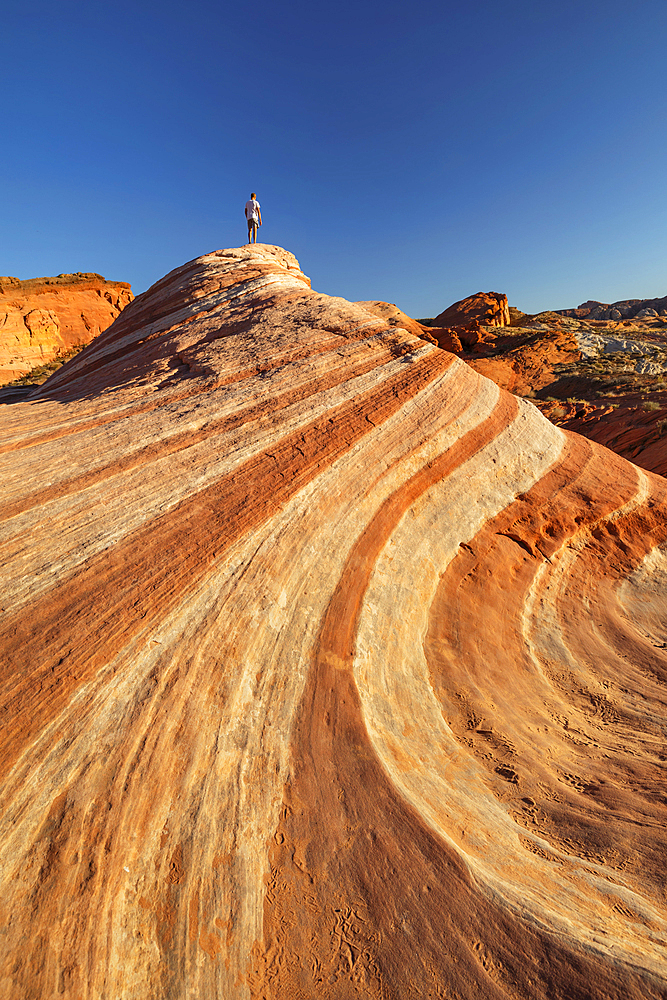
252 209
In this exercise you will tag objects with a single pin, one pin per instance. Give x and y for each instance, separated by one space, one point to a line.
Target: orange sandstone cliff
44 317
328 669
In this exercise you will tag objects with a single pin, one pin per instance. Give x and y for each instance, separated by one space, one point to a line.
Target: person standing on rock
253 216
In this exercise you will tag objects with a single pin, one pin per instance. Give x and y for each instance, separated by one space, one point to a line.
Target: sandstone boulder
44 317
485 308
448 338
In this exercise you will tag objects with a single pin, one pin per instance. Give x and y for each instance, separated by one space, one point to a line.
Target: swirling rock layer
329 669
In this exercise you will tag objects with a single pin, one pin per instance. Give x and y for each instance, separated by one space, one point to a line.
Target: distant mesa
42 318
624 309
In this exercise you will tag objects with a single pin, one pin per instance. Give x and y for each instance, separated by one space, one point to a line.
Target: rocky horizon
623 309
329 668
603 378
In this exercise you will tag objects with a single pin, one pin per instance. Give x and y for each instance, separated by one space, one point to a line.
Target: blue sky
412 152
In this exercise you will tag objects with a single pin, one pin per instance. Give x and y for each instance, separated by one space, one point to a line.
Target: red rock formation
44 317
526 363
605 380
448 337
328 668
631 423
484 308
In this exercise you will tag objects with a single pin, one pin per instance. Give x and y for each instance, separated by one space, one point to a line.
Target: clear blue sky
409 151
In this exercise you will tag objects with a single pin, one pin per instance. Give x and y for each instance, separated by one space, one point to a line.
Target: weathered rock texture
329 669
44 317
604 379
484 308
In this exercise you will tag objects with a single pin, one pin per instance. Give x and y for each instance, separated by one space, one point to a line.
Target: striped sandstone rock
329 669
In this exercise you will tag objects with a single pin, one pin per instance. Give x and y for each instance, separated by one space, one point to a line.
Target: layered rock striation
43 318
394 316
329 668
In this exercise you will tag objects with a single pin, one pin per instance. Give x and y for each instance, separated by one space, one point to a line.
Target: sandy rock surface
328 669
44 317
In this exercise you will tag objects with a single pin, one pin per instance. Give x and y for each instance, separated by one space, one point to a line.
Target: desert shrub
650 404
38 375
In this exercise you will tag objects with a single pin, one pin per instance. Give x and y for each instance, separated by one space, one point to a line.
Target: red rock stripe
161 346
67 430
587 486
179 289
101 373
178 394
339 629
356 871
615 550
508 550
51 648
551 739
178 442
624 775
574 494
